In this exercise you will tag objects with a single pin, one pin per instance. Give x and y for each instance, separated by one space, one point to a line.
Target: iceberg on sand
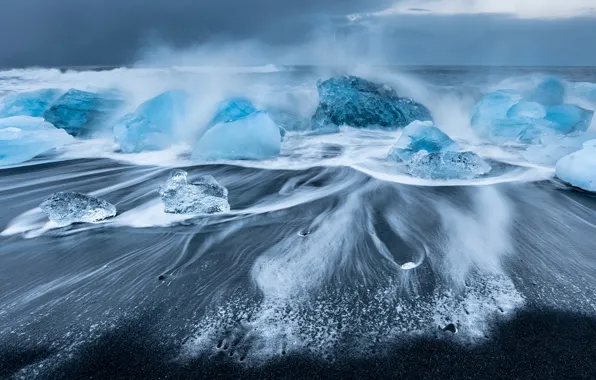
579 168
80 113
30 103
421 136
23 138
431 154
244 135
65 208
203 196
151 126
356 102
447 165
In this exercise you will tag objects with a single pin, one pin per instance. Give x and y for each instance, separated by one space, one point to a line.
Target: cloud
525 9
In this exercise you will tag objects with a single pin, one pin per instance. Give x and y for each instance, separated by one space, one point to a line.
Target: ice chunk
421 136
356 102
65 208
527 109
151 126
491 110
23 138
253 137
80 113
569 118
447 165
31 103
550 92
203 196
579 168
232 110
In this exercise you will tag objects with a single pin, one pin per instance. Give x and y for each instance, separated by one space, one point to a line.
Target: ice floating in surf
356 102
549 92
421 136
447 165
503 115
30 103
80 113
23 138
151 126
579 168
241 133
203 196
553 148
65 208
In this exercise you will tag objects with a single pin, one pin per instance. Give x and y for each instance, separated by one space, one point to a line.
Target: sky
401 32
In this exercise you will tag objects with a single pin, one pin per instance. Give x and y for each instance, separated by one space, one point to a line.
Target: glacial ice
502 116
447 165
203 196
421 136
80 113
585 91
356 102
569 118
23 138
549 92
231 110
527 109
253 137
151 126
65 208
30 103
579 168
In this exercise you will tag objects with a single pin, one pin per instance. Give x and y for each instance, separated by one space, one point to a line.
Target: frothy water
329 250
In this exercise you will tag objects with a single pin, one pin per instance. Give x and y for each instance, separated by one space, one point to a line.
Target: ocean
332 263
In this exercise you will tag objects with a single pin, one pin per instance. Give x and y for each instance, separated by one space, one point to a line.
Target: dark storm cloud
84 32
114 32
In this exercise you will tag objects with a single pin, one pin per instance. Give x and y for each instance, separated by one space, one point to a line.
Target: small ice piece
527 109
80 113
421 136
203 196
65 208
23 138
151 126
231 110
447 165
253 137
30 103
358 103
579 168
550 92
569 118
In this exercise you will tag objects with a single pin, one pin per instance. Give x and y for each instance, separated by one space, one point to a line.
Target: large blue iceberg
151 126
569 118
203 196
80 113
447 165
23 138
249 136
549 92
356 102
421 136
579 168
30 103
